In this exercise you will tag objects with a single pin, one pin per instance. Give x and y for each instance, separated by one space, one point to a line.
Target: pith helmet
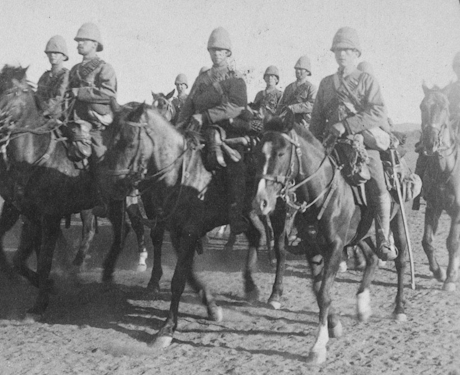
456 59
366 67
220 38
181 79
303 63
273 71
90 31
57 44
346 37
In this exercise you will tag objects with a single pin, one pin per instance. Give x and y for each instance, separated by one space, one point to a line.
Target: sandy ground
92 329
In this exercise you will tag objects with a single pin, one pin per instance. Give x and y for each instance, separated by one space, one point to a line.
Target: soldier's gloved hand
256 125
337 129
198 120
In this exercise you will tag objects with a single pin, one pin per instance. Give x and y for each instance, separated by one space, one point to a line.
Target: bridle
287 181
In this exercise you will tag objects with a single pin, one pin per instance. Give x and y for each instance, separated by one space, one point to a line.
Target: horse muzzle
265 200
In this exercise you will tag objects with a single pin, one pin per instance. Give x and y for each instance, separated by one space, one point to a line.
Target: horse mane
281 125
10 73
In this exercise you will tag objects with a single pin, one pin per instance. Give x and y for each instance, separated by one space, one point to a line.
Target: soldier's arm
187 110
236 98
283 100
373 113
63 85
307 99
318 121
104 89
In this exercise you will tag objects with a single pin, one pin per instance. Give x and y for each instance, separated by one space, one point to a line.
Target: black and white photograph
229 187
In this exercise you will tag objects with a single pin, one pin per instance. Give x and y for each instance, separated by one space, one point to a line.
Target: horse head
164 105
436 127
138 135
275 164
16 95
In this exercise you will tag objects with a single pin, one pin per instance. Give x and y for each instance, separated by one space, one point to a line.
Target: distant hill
406 127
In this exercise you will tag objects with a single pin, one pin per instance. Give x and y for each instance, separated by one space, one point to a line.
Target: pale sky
148 42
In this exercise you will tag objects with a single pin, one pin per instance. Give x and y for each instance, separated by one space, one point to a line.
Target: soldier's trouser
380 199
235 178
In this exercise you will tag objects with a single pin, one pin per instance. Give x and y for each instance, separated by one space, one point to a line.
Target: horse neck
167 147
26 148
314 164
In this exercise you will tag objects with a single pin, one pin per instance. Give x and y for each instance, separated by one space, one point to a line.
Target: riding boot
420 168
236 182
215 156
382 212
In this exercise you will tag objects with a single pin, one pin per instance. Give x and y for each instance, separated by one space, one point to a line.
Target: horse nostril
264 203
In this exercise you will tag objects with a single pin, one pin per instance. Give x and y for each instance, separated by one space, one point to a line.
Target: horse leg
29 241
156 234
399 235
432 215
8 217
230 242
116 217
88 231
363 307
278 221
453 243
329 323
50 228
184 265
250 288
134 214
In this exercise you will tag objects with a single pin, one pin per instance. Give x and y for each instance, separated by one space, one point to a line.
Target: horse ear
170 95
154 96
425 88
136 113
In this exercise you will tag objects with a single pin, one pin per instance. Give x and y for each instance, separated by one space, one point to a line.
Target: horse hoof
215 313
343 267
336 331
364 305
401 317
275 304
440 275
449 287
161 342
141 268
316 357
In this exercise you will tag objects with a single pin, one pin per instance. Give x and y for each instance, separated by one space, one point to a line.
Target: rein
287 193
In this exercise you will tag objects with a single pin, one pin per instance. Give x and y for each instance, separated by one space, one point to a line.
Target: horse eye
280 154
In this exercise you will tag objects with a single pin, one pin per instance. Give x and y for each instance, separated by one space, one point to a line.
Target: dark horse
441 181
292 159
178 190
44 184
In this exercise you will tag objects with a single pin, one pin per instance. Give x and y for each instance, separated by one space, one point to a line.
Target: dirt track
90 329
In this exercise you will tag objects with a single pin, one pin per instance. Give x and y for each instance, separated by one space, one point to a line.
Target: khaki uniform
51 89
300 98
97 88
269 98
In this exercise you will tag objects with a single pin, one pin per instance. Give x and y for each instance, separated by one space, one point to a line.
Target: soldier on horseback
214 106
270 97
179 100
93 85
350 102
52 85
299 96
452 91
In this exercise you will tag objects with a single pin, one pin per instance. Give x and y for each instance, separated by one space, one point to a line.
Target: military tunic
300 98
326 111
329 109
269 98
219 94
97 87
51 89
